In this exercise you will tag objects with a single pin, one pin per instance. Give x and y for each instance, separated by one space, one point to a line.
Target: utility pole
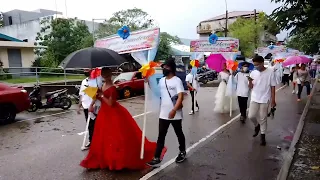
226 28
255 28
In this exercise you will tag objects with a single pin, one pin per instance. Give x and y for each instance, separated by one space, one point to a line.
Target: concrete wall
21 16
27 57
28 30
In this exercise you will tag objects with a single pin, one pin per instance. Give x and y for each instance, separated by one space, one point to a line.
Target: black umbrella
92 58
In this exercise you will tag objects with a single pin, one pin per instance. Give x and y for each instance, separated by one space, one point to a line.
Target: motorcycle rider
85 102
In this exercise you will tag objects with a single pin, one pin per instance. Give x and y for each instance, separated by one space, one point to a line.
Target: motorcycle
76 95
54 99
203 78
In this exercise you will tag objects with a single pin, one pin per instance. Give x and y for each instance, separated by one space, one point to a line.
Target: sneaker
191 113
88 145
256 130
197 110
155 162
181 157
293 91
296 92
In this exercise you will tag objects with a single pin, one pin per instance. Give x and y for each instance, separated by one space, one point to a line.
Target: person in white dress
222 101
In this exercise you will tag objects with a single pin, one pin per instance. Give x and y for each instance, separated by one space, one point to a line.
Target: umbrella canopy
250 67
295 60
92 58
215 62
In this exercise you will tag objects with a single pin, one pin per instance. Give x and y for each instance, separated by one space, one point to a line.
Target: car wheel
33 108
7 114
127 93
66 103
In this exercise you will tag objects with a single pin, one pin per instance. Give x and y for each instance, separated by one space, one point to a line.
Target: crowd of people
115 137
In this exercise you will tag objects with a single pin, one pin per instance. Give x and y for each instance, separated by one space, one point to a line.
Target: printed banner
137 41
223 44
278 50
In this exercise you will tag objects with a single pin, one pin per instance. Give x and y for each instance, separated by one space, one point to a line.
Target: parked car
13 100
129 84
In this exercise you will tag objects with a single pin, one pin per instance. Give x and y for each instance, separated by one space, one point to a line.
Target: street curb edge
284 171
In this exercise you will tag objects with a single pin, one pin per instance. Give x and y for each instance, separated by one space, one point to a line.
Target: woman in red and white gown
116 142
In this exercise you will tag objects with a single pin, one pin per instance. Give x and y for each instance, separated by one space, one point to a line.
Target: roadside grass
42 79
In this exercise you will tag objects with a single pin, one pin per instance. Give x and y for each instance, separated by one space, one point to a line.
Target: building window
10 20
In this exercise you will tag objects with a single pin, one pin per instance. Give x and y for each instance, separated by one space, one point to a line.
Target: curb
284 171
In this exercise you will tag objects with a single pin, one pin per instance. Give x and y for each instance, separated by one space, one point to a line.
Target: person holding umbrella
117 137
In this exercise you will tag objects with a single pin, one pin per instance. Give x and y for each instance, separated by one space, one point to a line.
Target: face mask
245 69
258 67
87 74
166 72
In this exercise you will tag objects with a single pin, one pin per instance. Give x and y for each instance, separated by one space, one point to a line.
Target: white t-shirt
85 99
242 84
192 79
262 82
175 86
286 70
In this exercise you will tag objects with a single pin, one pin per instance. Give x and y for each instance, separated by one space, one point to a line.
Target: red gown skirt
116 141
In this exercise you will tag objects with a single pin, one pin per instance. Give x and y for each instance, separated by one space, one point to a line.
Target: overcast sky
177 17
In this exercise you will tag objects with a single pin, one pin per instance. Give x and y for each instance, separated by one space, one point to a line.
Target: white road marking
54 114
82 133
163 166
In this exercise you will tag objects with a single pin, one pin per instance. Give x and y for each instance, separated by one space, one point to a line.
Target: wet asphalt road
49 148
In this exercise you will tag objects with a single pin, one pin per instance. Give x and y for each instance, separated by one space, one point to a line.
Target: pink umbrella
291 60
215 62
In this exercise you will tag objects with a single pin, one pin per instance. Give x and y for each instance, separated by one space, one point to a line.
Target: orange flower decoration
148 70
232 65
195 63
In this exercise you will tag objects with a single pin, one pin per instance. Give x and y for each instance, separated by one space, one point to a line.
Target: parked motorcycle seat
53 92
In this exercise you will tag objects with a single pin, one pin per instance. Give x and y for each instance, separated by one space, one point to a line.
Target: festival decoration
213 38
91 92
124 32
95 73
279 60
195 63
232 65
148 70
271 47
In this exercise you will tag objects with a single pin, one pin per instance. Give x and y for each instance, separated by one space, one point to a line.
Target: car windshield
124 77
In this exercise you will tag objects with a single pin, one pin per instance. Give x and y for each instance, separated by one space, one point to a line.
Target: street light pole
226 27
93 35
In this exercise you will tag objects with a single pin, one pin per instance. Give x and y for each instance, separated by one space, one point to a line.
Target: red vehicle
13 100
129 84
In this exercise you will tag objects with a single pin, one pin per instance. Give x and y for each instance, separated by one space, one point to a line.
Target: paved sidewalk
306 161
235 155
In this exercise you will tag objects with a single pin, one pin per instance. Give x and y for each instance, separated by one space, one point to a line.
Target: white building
25 25
218 24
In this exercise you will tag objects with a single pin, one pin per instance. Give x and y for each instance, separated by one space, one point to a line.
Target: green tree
297 14
1 20
60 38
306 40
249 31
164 49
135 19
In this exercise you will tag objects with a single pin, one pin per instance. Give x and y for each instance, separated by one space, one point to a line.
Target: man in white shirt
193 86
87 102
286 74
171 90
262 81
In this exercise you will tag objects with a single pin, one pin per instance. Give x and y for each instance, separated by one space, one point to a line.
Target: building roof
232 14
9 38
